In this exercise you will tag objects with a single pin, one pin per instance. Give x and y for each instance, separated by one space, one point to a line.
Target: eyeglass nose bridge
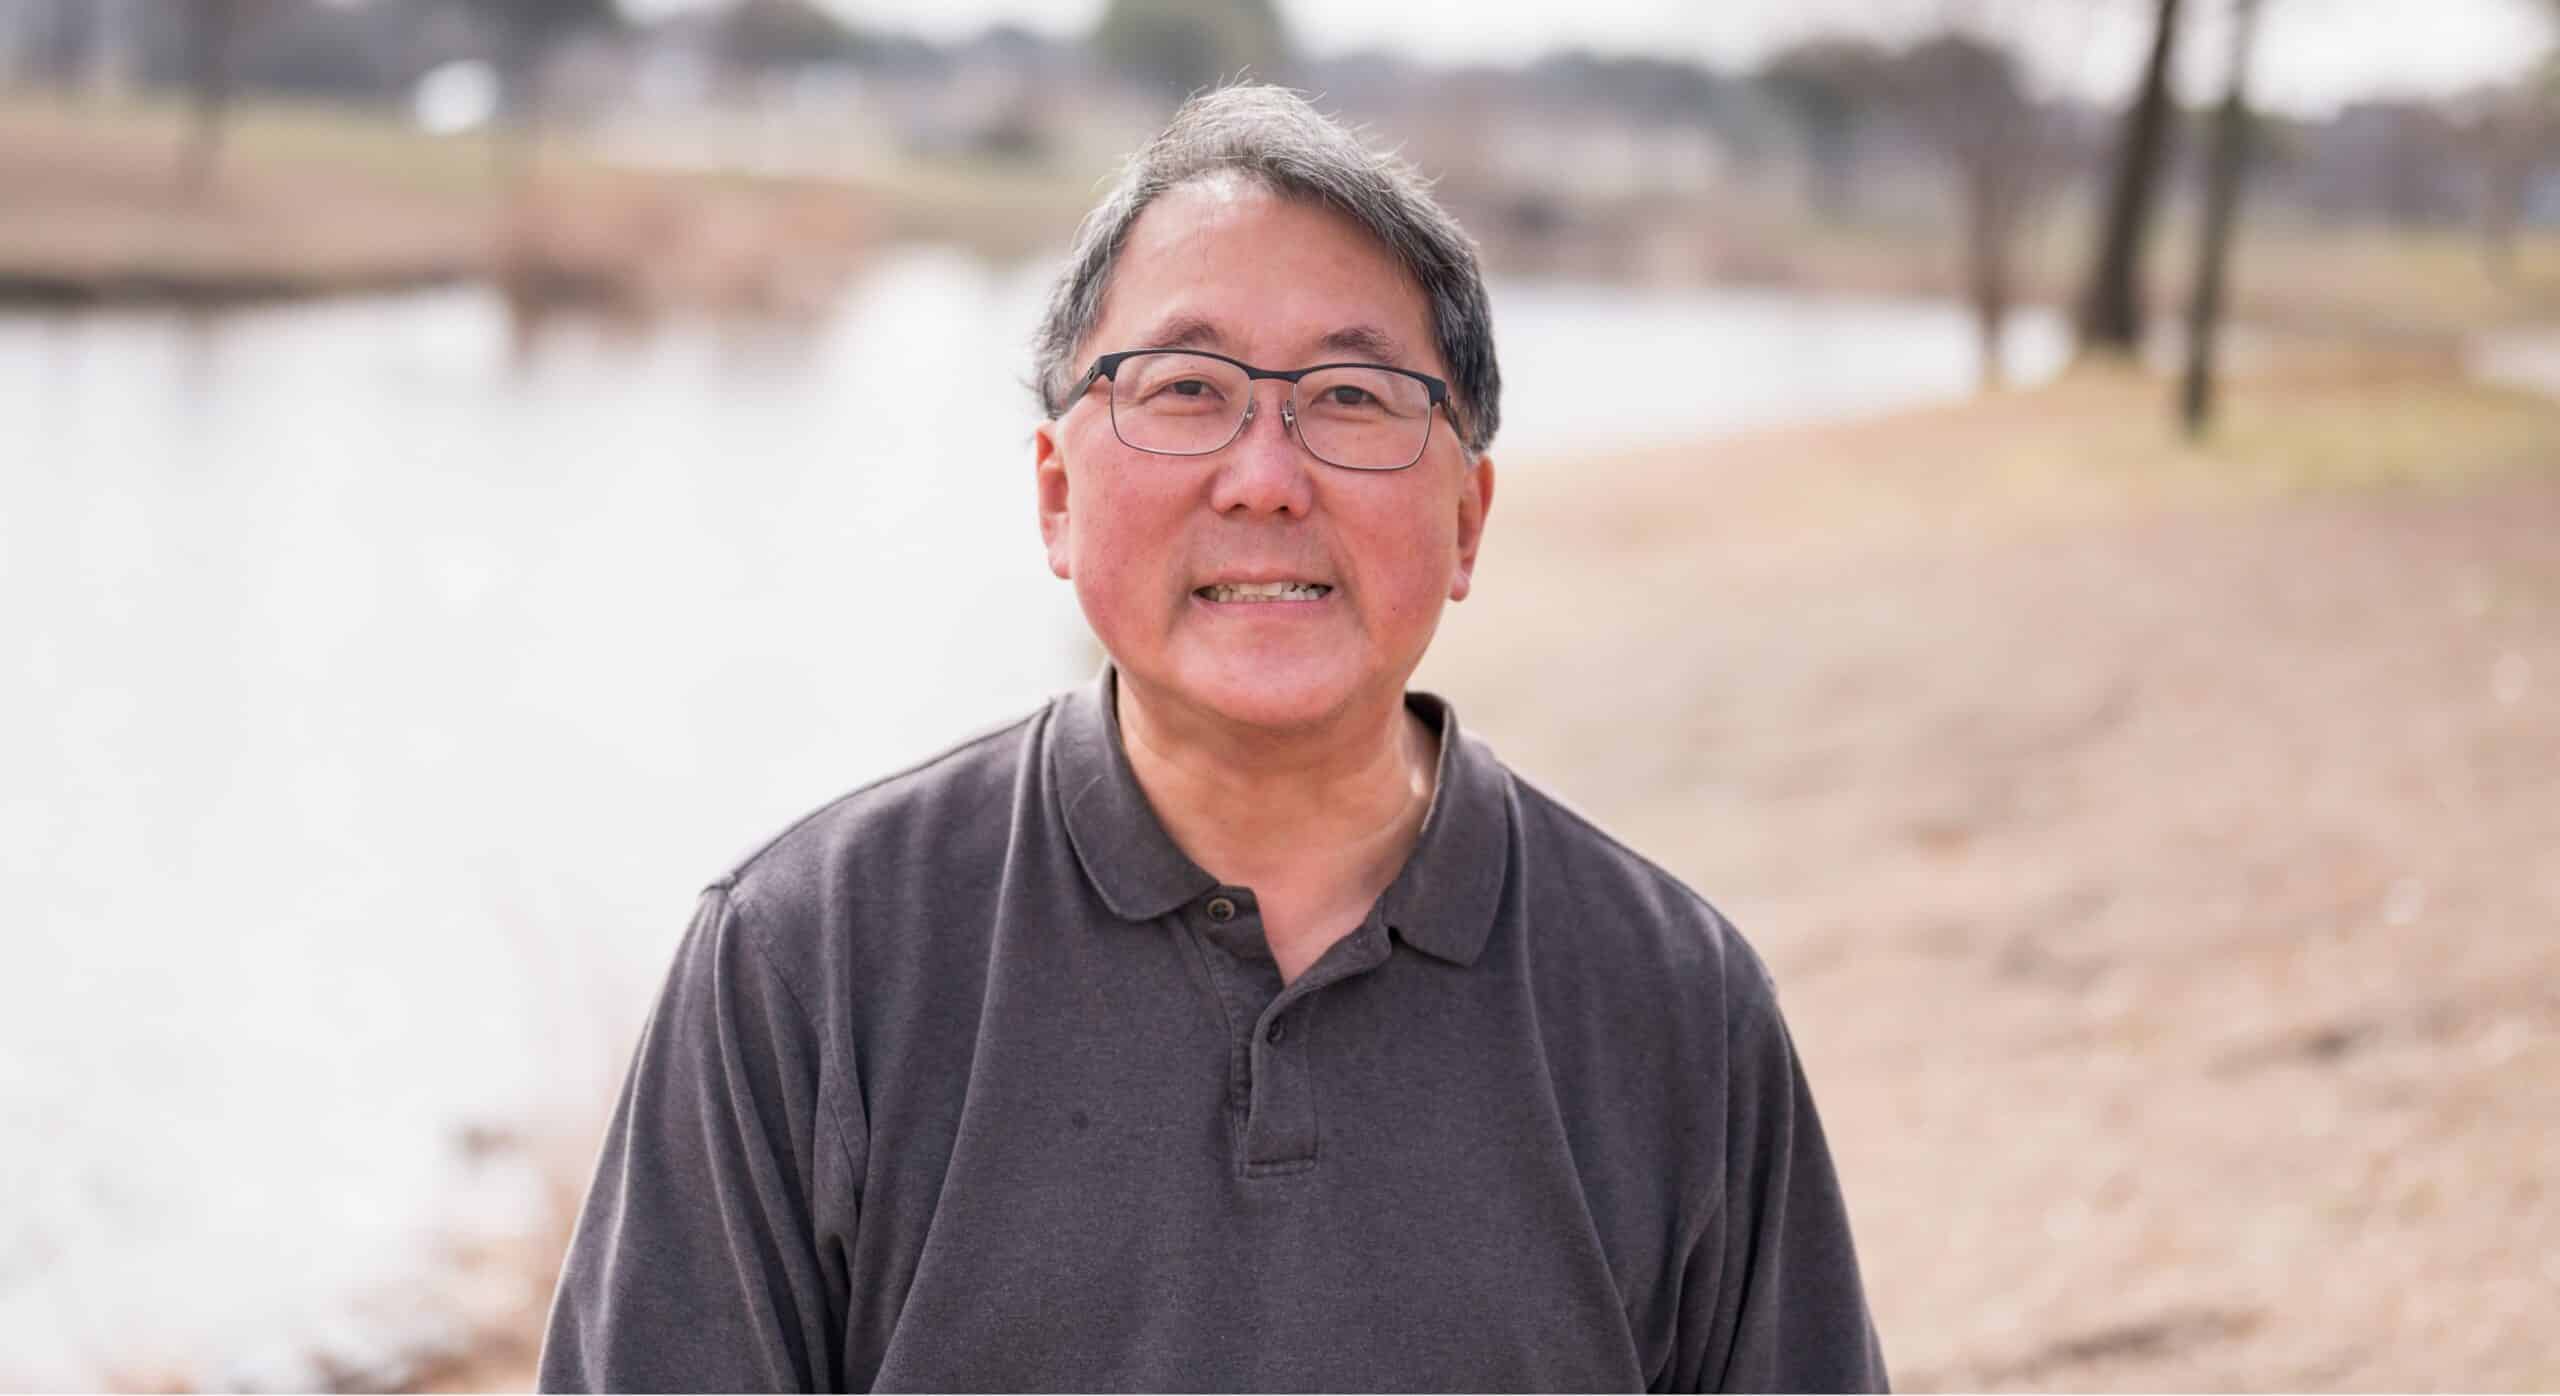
1288 415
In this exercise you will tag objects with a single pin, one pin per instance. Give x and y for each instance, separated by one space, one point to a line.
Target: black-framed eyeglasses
1190 402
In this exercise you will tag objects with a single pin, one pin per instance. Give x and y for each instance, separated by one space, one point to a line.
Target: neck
1340 805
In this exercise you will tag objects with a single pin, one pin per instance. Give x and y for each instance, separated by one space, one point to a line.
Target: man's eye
1181 390
1345 395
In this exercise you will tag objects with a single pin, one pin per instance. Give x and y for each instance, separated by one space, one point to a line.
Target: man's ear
1049 467
1475 500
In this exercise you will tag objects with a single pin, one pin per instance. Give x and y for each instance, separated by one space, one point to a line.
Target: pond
381 686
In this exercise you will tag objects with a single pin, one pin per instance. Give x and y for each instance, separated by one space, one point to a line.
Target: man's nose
1265 470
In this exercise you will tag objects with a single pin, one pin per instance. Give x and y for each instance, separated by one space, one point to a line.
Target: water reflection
389 674
386 696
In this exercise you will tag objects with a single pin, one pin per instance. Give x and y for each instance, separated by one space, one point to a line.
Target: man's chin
1273 697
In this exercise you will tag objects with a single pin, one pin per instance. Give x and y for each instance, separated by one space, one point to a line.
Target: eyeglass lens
1189 404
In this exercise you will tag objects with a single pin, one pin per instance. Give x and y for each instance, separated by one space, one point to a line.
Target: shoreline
313 201
22 289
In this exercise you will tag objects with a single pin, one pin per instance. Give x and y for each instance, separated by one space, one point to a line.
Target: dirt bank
313 201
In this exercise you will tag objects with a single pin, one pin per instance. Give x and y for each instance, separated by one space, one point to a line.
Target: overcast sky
2313 54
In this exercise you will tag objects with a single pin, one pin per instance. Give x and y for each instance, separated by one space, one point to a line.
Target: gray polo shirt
972 1080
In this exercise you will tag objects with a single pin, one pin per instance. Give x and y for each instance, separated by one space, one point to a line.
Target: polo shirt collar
1442 903
1127 855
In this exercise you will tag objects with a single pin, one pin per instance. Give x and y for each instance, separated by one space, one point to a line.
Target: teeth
1265 591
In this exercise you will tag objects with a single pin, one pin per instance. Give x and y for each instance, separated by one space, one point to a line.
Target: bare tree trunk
1827 177
210 24
2221 214
515 136
109 59
2512 133
2112 311
2498 216
61 36
1987 247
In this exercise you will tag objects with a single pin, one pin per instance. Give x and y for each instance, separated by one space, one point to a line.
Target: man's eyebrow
1185 332
1367 341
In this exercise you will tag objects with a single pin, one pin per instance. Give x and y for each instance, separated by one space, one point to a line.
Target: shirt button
1221 910
1273 1033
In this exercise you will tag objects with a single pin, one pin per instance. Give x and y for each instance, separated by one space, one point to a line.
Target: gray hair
1274 137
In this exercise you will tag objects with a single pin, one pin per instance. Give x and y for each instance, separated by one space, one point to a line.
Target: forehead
1228 263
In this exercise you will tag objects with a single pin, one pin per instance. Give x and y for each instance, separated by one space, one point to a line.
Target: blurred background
2044 511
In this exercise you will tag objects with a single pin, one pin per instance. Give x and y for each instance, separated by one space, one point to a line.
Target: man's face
1228 266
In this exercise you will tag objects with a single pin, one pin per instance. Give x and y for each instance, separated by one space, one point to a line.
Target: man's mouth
1263 591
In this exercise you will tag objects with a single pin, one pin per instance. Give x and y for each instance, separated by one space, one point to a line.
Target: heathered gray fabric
973 1081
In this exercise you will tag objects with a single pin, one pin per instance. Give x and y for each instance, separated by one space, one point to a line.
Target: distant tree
2229 163
2516 129
784 33
212 40
59 35
1966 95
212 26
2111 309
525 33
1829 89
1180 46
105 39
1655 89
369 51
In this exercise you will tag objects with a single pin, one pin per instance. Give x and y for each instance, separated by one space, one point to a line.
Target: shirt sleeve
1770 1294
710 1254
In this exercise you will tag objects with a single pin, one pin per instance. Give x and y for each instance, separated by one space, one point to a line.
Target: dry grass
306 203
2371 282
506 1282
2158 847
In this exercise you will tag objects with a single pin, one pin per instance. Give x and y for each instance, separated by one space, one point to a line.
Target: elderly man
1233 1022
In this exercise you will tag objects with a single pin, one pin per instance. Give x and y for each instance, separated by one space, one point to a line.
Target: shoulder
915 827
1593 895
1641 981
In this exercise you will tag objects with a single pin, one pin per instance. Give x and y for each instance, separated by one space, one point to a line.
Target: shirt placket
1271 1089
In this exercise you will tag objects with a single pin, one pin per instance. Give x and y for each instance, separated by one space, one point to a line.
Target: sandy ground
2158 850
